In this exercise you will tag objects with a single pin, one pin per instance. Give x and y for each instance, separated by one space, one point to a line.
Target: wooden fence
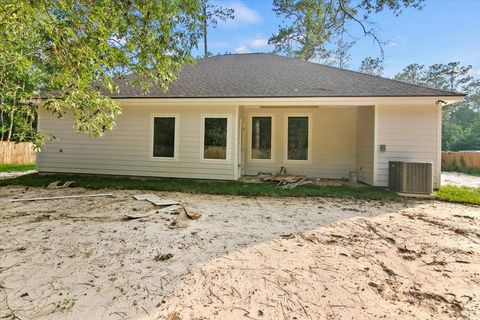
471 159
11 152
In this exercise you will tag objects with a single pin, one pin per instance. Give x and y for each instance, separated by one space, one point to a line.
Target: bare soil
460 180
259 258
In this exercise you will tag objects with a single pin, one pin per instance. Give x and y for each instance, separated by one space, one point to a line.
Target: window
164 137
297 138
261 138
215 138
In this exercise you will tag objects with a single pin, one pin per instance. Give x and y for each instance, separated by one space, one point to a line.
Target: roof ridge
267 74
370 75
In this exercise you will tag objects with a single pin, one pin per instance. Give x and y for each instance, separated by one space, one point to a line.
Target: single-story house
233 115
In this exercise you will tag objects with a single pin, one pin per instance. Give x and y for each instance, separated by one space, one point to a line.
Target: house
233 115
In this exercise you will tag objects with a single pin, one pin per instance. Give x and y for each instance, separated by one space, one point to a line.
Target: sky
443 31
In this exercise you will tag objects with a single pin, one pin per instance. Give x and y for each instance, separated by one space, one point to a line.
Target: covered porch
315 141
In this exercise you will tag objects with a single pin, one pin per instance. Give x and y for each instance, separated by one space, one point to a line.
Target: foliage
212 14
69 53
373 66
12 167
340 56
311 25
461 121
209 187
459 194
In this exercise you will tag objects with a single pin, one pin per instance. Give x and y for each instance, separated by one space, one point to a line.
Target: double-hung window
164 137
215 137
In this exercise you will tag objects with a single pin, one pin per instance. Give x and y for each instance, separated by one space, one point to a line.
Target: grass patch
209 187
11 167
459 194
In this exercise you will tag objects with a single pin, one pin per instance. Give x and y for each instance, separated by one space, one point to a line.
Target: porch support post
236 155
375 144
438 175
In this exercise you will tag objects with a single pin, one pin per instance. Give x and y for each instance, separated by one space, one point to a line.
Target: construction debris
65 197
288 181
285 178
296 184
171 207
192 215
153 198
59 185
182 220
264 175
184 217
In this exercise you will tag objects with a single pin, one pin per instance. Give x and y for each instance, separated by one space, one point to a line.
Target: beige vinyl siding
332 141
410 133
127 149
365 143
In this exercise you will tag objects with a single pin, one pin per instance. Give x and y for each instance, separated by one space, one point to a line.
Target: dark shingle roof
269 75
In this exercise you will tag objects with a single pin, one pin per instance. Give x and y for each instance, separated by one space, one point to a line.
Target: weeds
459 194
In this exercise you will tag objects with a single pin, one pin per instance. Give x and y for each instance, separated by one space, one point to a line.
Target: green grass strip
11 167
208 187
459 194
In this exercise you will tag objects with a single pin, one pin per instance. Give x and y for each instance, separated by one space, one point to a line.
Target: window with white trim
261 144
297 138
164 137
215 138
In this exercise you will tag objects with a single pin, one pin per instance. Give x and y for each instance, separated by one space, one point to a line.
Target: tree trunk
205 30
10 128
1 123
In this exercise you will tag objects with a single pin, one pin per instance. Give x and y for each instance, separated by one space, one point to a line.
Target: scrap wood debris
171 207
64 197
288 181
59 184
153 198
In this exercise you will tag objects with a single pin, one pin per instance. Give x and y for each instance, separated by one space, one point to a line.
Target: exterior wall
365 143
410 133
126 150
344 138
333 142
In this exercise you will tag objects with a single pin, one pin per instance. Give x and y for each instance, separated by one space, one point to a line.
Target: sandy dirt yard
460 180
245 258
14 174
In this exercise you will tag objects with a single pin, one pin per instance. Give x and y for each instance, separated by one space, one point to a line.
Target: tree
457 76
69 53
372 66
310 25
340 56
460 121
212 14
413 73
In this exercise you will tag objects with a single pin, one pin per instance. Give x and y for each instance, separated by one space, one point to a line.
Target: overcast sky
444 31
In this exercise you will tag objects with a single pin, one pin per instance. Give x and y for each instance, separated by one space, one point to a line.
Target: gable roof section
267 75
